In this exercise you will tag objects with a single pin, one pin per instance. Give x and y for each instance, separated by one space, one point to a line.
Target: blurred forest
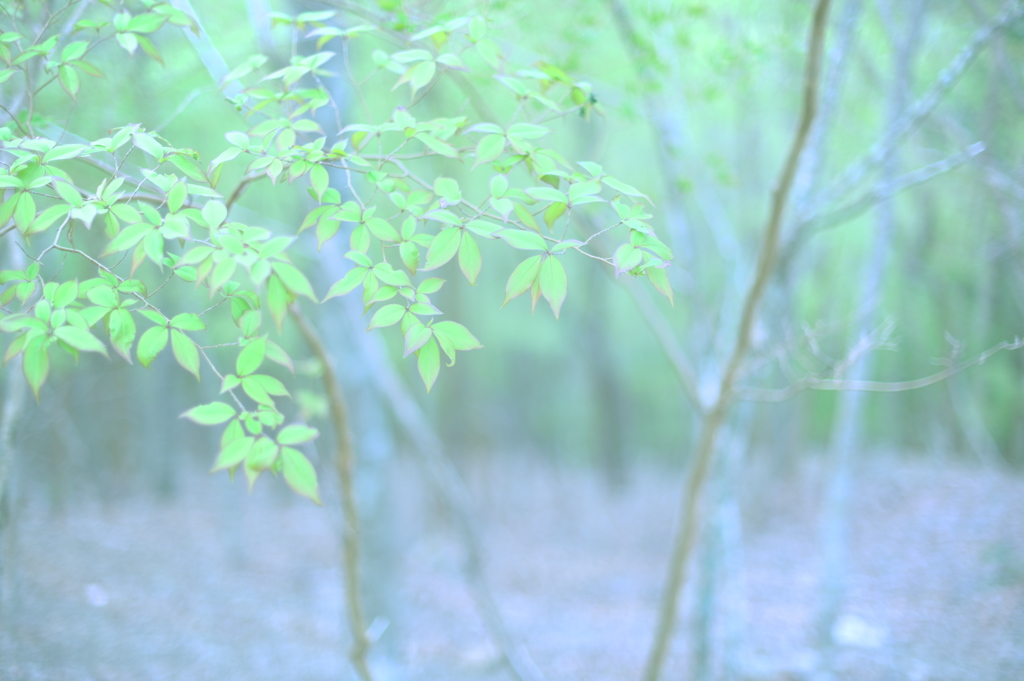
863 516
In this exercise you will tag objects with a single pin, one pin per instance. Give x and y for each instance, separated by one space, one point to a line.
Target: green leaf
489 148
36 363
297 434
254 388
233 453
523 240
80 339
128 237
352 279
437 146
251 357
188 321
415 336
122 332
176 196
469 259
278 299
211 414
214 213
428 361
553 212
65 294
382 230
448 189
625 258
318 178
386 316
294 280
624 188
152 342
553 283
443 248
299 473
459 335
522 278
185 352
659 279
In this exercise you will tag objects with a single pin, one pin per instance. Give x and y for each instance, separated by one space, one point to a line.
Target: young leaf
428 361
251 357
659 279
443 248
469 259
459 335
299 473
233 453
523 240
122 332
80 339
297 435
151 344
186 352
553 283
386 316
211 414
352 279
36 363
522 278
294 280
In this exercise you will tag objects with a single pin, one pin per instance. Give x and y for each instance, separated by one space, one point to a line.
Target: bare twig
814 383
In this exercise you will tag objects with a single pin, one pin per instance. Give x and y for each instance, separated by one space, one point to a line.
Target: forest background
808 332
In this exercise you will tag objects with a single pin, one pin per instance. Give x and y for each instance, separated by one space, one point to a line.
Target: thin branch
919 110
344 461
813 383
689 520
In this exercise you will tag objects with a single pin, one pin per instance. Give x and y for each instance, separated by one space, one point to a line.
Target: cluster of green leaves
166 218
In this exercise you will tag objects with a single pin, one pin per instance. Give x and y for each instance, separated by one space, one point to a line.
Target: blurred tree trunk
848 429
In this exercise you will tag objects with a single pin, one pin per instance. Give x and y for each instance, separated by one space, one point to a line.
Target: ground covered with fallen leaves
216 584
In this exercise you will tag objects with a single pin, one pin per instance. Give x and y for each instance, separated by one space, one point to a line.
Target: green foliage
136 217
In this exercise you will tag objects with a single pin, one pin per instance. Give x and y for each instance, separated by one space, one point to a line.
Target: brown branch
344 461
689 520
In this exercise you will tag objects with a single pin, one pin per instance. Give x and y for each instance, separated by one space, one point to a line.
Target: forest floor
218 585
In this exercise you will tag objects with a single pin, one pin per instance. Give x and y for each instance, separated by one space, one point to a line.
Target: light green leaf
352 279
318 178
489 148
625 258
553 283
297 434
36 363
523 240
437 146
460 337
469 259
233 453
299 473
659 279
211 414
185 352
122 332
80 339
251 357
214 213
448 189
429 363
522 278
294 280
386 316
415 336
443 248
188 321
152 342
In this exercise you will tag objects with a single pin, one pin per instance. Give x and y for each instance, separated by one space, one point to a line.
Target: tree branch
689 520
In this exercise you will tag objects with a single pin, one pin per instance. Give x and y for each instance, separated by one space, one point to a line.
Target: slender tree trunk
847 436
691 507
